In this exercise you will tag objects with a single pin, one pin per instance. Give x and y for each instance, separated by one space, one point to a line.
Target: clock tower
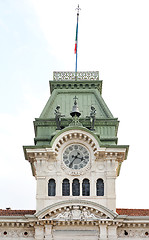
76 159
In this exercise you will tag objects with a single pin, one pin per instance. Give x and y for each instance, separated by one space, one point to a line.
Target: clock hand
81 158
74 157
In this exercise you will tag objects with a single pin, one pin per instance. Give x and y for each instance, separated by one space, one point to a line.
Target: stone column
80 187
103 232
112 232
39 232
48 232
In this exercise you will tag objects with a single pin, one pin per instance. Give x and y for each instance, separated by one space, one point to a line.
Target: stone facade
74 222
75 162
48 164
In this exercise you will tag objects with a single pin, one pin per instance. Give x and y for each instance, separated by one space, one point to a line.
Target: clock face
76 156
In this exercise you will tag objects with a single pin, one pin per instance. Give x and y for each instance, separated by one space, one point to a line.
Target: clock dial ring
76 156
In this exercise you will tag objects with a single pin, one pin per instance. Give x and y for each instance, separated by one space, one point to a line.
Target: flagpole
76 42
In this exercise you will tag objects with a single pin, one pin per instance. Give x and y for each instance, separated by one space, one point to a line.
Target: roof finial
78 9
75 110
75 100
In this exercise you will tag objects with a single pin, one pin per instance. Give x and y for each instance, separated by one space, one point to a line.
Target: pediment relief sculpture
76 213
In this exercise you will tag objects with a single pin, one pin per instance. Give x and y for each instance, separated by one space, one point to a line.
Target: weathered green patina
88 89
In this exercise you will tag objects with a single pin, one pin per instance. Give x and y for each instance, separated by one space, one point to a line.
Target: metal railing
64 76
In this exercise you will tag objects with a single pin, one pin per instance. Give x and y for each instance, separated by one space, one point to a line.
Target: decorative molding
81 137
74 172
41 154
133 233
60 76
76 85
16 233
36 156
75 135
110 154
103 213
78 130
14 223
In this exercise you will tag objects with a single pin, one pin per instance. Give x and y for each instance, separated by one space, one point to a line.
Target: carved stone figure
75 214
65 215
86 215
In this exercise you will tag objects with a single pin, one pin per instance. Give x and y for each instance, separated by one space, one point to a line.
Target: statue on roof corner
58 117
92 117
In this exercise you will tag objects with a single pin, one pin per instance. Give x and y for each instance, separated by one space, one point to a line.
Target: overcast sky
36 38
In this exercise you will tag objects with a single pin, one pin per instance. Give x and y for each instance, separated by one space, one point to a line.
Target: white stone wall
50 166
16 233
78 231
43 200
133 233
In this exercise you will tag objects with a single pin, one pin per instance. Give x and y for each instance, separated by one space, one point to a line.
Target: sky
37 37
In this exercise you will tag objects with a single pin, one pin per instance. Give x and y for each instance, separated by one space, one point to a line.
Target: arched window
85 187
75 187
51 187
65 187
100 187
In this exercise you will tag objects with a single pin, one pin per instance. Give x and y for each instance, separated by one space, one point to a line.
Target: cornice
83 85
39 219
32 154
99 121
35 152
117 154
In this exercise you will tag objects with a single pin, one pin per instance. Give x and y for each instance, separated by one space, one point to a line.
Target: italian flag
76 39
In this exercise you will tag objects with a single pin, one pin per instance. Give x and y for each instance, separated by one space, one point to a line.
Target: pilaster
112 232
48 232
59 185
70 187
41 192
93 184
39 232
103 232
110 183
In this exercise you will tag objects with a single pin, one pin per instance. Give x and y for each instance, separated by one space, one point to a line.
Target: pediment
76 210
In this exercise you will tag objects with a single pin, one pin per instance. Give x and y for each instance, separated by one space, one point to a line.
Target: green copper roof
87 87
86 98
